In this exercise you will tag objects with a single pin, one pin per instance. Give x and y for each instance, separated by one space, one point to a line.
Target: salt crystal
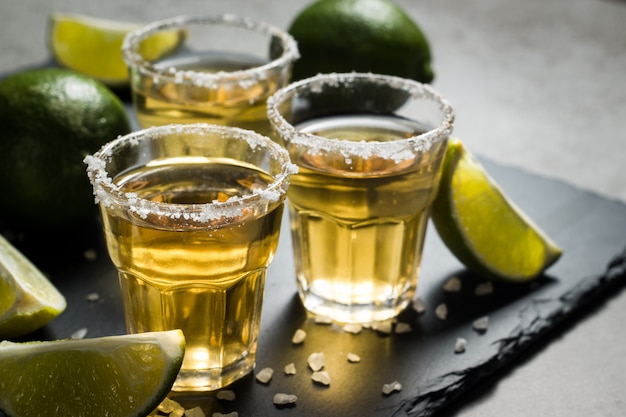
481 324
90 254
265 375
323 320
395 386
321 377
383 326
353 358
79 334
284 399
460 345
195 412
402 328
226 395
485 288
169 406
452 285
418 305
231 414
353 328
316 361
92 297
441 311
290 369
298 337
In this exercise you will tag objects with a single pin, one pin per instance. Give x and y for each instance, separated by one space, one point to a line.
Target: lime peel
28 299
482 227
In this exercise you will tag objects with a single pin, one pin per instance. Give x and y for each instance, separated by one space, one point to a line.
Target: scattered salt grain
441 311
383 326
460 345
452 285
323 320
481 324
298 337
226 395
90 254
79 334
419 306
353 328
265 375
169 406
316 361
195 412
231 414
402 328
321 377
284 399
485 288
290 369
354 358
395 386
92 297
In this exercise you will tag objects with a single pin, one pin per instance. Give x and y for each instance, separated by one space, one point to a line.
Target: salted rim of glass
109 194
132 57
398 151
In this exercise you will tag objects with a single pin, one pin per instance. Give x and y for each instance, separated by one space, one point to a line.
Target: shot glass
191 217
369 150
212 69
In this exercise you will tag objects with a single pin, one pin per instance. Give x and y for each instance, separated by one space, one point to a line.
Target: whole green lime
360 35
51 118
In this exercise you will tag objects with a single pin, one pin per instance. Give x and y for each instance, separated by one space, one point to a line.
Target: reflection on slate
423 360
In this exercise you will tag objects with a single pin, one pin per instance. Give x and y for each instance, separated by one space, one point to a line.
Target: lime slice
482 227
114 376
28 300
93 46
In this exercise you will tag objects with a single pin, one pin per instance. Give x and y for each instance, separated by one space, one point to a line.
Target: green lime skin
50 119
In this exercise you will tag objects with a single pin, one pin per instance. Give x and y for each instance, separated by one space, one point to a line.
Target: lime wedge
486 231
114 376
28 300
93 46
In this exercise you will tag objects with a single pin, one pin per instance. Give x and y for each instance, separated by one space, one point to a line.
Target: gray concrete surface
537 84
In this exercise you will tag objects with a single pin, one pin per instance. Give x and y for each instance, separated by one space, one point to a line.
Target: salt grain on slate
231 414
460 345
226 395
323 320
441 311
485 288
321 377
90 255
354 358
353 328
265 375
383 326
92 297
79 334
169 406
316 361
402 328
419 306
284 399
395 386
298 337
194 412
452 285
481 324
290 369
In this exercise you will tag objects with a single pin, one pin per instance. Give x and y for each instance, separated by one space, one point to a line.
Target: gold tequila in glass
191 217
369 150
222 70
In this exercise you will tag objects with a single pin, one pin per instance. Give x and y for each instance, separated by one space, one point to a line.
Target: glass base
352 313
193 380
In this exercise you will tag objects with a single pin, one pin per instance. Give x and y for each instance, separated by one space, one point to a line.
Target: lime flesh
483 228
28 300
114 376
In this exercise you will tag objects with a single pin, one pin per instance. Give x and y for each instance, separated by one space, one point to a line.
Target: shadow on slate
587 226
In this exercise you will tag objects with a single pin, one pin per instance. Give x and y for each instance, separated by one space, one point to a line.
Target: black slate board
590 229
